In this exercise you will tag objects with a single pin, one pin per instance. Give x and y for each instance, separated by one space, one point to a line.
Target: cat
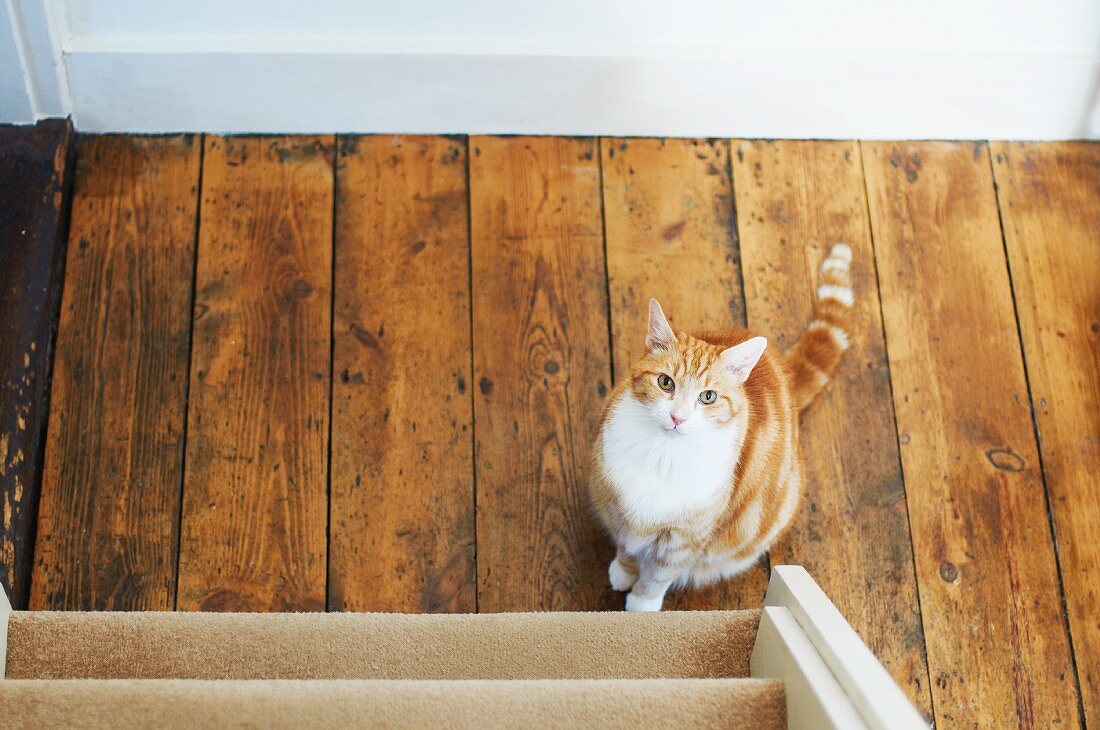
696 468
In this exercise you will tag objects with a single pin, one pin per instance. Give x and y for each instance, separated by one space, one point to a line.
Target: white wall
802 68
15 94
1058 26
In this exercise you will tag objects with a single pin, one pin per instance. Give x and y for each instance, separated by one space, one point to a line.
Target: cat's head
689 386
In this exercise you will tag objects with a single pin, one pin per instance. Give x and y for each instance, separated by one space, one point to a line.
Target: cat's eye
665 383
707 397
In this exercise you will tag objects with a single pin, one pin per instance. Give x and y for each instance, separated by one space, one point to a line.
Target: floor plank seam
470 389
1038 443
735 228
187 374
606 268
897 429
337 139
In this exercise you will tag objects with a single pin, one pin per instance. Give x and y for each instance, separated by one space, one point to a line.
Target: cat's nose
676 420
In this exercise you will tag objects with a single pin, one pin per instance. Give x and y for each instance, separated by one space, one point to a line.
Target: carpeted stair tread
752 704
117 645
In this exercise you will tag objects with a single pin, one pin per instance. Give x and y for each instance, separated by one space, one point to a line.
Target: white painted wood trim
815 700
16 105
875 695
33 31
301 84
5 612
42 24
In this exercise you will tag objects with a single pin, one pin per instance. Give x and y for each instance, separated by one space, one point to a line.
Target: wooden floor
362 373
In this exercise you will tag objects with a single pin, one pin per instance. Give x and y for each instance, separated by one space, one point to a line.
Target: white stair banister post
879 701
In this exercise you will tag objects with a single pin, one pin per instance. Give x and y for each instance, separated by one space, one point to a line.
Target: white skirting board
832 679
229 85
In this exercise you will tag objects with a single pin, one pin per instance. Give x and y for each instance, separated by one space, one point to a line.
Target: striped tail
816 355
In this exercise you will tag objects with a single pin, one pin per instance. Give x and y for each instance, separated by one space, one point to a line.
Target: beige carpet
380 646
710 703
545 670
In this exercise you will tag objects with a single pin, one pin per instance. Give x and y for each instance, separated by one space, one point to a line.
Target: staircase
795 663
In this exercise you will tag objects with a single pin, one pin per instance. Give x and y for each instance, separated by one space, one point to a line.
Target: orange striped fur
697 468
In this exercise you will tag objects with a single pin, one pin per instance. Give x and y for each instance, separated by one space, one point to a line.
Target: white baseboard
327 85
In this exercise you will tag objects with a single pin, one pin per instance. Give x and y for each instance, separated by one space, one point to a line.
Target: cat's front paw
637 603
621 579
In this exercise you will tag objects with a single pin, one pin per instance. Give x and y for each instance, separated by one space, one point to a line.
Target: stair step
365 646
752 704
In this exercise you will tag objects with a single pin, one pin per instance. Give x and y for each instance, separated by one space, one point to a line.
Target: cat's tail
815 356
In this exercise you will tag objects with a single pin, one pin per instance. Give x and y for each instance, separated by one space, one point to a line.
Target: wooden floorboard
34 175
542 371
668 211
794 201
1050 207
402 440
115 452
998 651
255 497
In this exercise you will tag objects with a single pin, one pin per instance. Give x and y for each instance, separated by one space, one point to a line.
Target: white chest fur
661 479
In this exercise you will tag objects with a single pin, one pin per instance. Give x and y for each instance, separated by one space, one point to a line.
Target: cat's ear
739 360
659 336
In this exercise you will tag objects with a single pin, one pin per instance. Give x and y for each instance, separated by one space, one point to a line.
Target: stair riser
380 646
748 704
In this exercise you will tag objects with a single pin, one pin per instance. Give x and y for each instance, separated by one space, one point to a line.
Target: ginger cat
697 469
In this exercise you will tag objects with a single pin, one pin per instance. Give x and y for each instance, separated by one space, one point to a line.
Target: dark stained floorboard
34 169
